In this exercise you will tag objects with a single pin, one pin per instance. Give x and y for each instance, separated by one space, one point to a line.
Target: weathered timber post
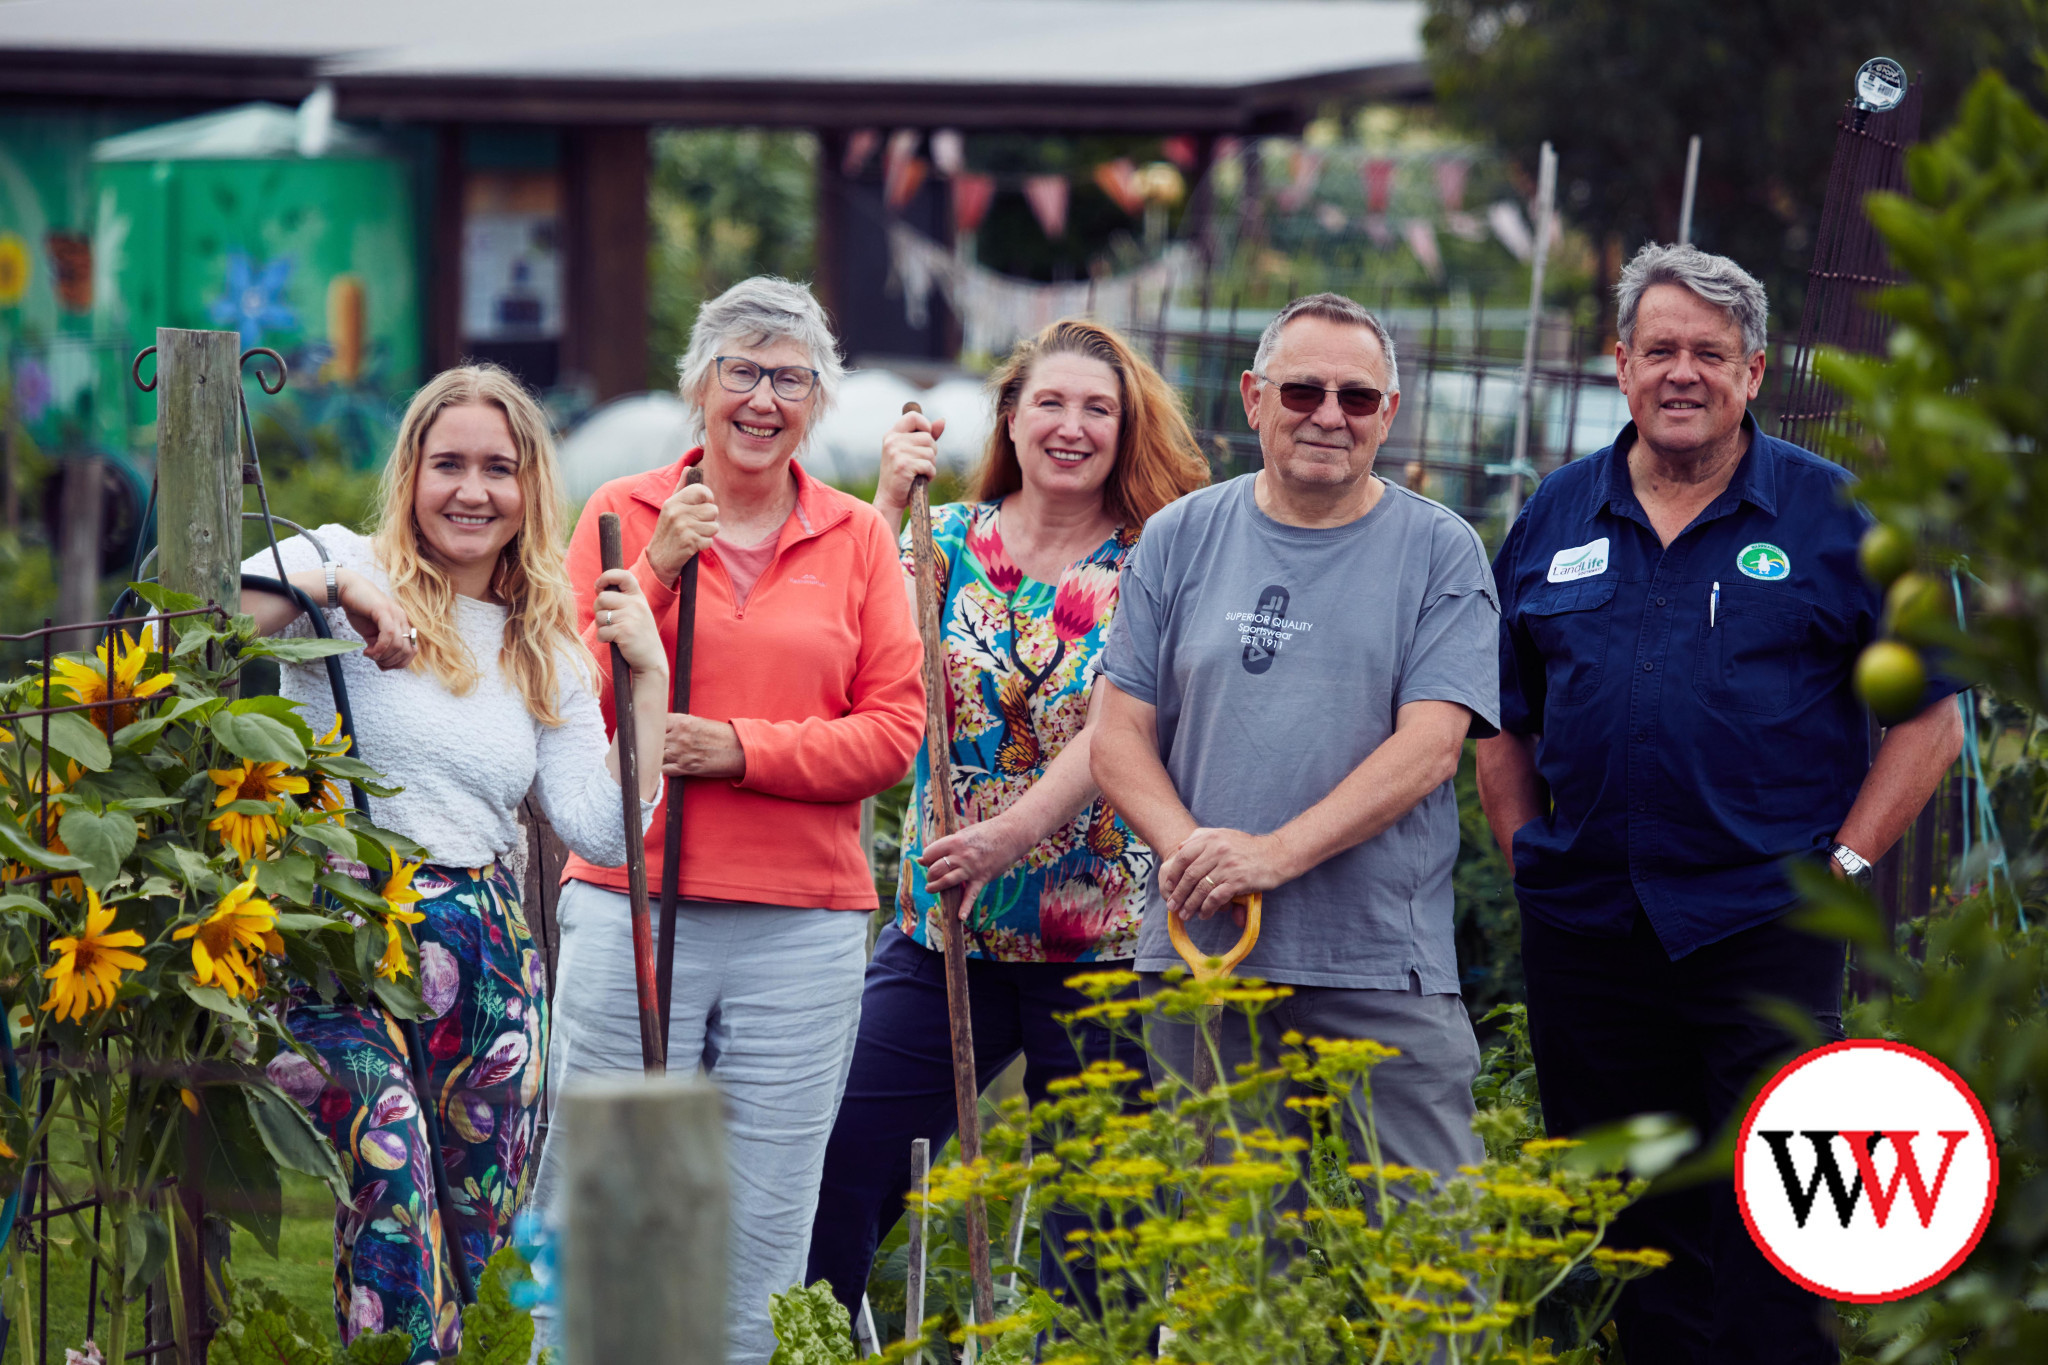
199 530
199 464
644 1211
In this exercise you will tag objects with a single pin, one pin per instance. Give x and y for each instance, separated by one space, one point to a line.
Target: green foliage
811 1327
1619 85
1284 1249
1951 426
266 1328
185 830
723 204
1488 922
315 490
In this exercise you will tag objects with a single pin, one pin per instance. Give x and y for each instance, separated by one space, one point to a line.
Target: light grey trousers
767 1002
1421 1100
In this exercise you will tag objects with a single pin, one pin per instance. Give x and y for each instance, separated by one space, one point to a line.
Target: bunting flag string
996 311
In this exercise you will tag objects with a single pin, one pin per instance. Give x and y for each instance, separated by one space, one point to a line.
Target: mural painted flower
32 389
252 303
15 265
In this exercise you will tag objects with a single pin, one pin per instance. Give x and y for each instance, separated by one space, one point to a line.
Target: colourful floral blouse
1017 655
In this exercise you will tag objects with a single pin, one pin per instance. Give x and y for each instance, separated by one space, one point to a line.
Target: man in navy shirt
1680 614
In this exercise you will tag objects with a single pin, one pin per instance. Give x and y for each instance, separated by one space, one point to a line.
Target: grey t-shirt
1277 657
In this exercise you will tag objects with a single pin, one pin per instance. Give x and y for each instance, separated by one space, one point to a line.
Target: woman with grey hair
806 698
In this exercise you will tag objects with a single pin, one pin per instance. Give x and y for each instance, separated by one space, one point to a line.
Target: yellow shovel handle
1199 962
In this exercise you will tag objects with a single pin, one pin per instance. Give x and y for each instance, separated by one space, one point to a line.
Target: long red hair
1157 459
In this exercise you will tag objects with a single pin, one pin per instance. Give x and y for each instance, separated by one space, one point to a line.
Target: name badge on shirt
1581 561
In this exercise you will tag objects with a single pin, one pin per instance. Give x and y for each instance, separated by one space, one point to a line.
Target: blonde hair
1157 459
531 577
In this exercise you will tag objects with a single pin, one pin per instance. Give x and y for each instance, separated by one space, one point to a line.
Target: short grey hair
759 312
1716 279
1332 308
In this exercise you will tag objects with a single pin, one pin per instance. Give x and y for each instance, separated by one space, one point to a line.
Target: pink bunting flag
1420 234
1378 175
949 151
1305 165
972 194
1450 182
860 146
1179 150
1047 195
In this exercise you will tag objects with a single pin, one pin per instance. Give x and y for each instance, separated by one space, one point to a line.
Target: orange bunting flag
903 171
1119 180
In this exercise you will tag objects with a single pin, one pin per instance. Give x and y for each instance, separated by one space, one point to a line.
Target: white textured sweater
465 763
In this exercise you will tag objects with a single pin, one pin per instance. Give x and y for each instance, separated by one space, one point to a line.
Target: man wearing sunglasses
1297 659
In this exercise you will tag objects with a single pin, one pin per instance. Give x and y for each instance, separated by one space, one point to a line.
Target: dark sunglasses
1309 397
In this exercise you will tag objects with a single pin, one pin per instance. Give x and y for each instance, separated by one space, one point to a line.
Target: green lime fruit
1917 608
1891 680
1886 553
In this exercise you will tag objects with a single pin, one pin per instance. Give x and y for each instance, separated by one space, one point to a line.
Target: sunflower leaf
215 999
18 847
140 736
335 838
75 737
290 877
188 866
27 905
103 840
149 1242
292 1138
163 599
298 651
352 892
257 738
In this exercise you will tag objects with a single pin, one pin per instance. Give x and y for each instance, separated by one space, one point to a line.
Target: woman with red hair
1088 442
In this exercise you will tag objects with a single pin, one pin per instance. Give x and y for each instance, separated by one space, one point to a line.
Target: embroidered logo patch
1581 561
1760 559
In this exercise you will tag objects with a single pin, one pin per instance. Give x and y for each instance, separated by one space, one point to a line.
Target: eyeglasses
1359 402
791 383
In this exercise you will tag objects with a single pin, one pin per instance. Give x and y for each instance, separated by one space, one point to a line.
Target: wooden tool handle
684 659
1205 967
938 747
610 556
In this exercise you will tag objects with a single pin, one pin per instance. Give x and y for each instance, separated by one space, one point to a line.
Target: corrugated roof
645 51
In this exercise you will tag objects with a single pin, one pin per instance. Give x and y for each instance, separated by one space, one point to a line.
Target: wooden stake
199 468
938 746
653 1049
913 1247
644 1221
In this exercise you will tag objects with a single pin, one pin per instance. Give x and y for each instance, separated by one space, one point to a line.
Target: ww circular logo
1866 1171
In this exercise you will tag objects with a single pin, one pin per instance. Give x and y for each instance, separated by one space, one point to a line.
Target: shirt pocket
1570 625
1750 649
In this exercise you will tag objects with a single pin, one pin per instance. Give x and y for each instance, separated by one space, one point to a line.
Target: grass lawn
303 1270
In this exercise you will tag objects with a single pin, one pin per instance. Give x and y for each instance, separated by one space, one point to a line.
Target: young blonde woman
472 684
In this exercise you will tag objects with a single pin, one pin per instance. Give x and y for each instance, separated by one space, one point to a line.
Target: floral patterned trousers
486 1037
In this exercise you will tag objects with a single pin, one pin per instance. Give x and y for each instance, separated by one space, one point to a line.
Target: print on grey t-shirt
1277 657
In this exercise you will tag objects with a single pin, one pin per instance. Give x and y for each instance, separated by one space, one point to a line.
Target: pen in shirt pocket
1713 606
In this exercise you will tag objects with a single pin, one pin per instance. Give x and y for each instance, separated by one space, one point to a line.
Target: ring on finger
1209 881
607 619
412 634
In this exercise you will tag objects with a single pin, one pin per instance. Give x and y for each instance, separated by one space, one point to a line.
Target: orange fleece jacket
821 675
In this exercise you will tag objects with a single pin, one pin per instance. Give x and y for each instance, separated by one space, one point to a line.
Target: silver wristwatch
333 583
1853 864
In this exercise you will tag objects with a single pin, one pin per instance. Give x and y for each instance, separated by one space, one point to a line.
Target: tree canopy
1619 85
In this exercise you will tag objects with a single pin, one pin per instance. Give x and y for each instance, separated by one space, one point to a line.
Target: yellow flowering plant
176 859
1284 1249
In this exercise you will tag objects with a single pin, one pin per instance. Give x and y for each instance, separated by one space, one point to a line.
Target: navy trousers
901 1089
1620 1029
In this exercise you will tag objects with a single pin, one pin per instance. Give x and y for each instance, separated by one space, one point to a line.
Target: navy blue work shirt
1692 746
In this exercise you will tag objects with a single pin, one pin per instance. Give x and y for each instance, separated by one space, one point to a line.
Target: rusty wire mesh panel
36 1213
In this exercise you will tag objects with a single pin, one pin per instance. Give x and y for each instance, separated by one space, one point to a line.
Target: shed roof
1165 65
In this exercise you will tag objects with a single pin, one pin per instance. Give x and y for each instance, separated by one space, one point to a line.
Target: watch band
1849 860
333 583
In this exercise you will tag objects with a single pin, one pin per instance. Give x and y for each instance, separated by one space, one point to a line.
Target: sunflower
117 678
393 964
15 267
88 968
324 800
226 941
250 835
